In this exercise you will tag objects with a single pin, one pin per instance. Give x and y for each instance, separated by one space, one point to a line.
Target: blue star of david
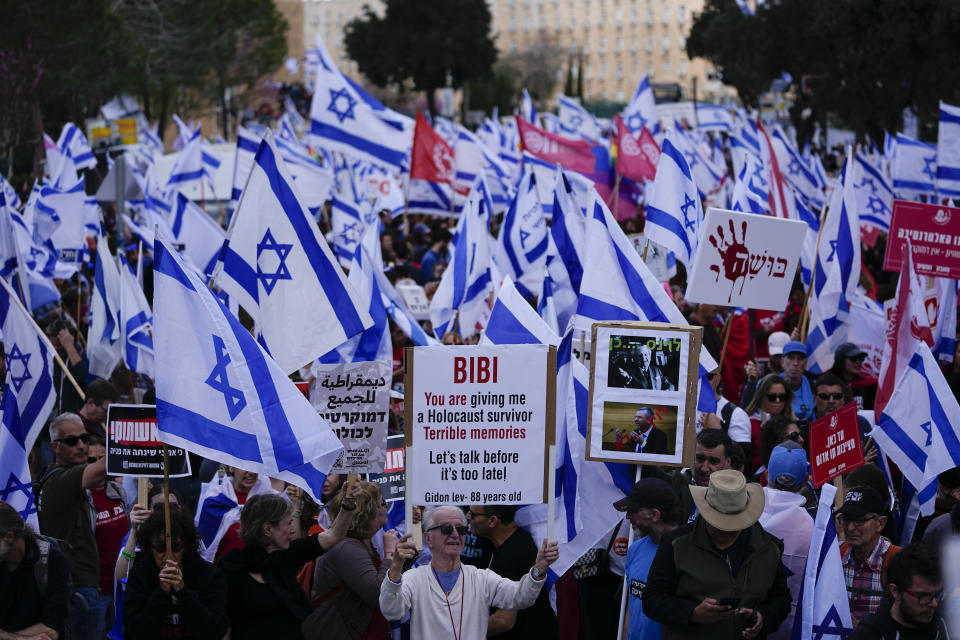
691 158
14 485
282 272
833 250
336 107
635 122
830 626
576 120
794 167
15 355
928 169
687 222
866 182
219 381
876 205
758 177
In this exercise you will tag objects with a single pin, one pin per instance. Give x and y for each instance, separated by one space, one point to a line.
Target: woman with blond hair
347 579
773 398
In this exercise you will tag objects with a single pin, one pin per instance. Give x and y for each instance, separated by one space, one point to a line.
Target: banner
835 444
132 445
934 233
354 399
479 421
393 480
745 260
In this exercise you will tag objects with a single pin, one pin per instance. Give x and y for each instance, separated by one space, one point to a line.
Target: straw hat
729 503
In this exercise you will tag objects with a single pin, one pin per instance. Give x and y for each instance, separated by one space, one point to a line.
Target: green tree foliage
499 91
423 43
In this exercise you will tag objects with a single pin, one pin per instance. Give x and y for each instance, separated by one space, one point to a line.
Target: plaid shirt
865 580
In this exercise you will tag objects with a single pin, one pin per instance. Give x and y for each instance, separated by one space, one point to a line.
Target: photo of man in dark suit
644 438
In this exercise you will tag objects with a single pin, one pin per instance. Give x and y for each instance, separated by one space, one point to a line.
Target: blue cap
795 346
787 468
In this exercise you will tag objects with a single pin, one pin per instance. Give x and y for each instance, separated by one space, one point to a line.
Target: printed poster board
479 420
745 260
133 448
652 254
643 393
392 481
354 399
835 444
415 298
934 233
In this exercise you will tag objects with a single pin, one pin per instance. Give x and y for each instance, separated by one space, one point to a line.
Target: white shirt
740 430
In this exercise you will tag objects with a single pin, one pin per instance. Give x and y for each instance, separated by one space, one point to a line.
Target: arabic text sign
745 260
132 445
354 399
835 444
479 420
934 233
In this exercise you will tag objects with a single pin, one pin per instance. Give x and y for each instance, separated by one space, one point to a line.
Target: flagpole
551 488
727 328
623 596
616 196
406 206
805 313
46 340
166 503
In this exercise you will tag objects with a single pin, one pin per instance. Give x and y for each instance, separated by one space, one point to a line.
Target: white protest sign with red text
478 423
745 260
835 444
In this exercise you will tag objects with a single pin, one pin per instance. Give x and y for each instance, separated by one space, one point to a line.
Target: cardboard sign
653 255
643 393
354 398
132 445
835 444
392 481
934 233
479 421
745 260
415 299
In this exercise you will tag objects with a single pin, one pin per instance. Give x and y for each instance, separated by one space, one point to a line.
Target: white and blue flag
514 321
104 347
948 151
527 110
642 109
546 304
188 168
9 193
278 267
874 194
247 144
918 426
221 395
74 145
521 250
750 194
823 609
136 319
349 211
575 121
674 212
199 237
914 168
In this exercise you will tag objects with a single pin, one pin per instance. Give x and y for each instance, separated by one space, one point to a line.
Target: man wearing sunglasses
66 512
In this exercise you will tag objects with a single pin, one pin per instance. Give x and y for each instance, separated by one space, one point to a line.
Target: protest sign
132 445
415 299
643 392
653 255
934 233
354 398
478 423
745 260
392 480
835 444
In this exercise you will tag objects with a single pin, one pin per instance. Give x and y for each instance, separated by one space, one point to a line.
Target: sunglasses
776 397
71 441
830 396
447 529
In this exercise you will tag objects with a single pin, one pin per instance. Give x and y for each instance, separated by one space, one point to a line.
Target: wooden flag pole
166 503
805 313
616 196
551 489
727 327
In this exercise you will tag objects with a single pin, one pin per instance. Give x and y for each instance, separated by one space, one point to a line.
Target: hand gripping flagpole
46 340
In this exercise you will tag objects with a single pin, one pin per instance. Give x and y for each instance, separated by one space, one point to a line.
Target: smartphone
729 601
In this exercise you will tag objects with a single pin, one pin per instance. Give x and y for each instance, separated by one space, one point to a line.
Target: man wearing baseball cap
720 576
794 372
653 510
864 552
775 344
848 366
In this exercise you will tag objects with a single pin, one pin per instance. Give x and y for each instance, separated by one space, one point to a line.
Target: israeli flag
914 168
617 285
104 347
200 237
150 137
277 266
795 169
546 305
74 145
948 151
219 510
188 168
314 181
713 117
823 608
674 212
707 174
565 253
527 111
641 111
473 158
751 194
575 121
136 319
521 250
341 119
349 209
431 198
514 321
808 254
247 144
9 193
466 281
64 212
917 429
874 194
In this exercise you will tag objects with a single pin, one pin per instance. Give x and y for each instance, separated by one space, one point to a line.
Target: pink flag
637 157
574 155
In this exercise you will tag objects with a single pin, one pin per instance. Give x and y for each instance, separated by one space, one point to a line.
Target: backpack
725 416
41 574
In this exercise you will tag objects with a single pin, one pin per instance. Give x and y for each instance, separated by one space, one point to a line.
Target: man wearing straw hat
720 576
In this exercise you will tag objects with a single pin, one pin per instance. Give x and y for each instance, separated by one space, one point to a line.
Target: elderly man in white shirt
446 598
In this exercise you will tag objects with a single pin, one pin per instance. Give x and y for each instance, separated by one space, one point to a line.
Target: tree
499 91
539 67
428 43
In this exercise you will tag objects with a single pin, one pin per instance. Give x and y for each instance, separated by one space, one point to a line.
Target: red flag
907 324
637 157
432 158
574 155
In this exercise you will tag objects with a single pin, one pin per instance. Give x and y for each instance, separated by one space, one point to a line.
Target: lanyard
456 634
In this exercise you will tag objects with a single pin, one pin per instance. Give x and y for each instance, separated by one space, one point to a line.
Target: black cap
849 350
861 501
649 493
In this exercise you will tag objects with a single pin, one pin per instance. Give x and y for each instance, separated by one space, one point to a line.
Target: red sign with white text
835 444
934 233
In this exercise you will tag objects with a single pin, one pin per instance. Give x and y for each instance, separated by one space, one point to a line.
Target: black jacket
276 607
198 611
882 626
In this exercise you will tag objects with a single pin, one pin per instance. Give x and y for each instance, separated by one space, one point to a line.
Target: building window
666 43
666 67
682 68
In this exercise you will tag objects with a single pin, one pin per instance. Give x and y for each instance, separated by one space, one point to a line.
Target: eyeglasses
776 397
925 597
854 522
71 441
830 396
447 529
794 435
700 458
